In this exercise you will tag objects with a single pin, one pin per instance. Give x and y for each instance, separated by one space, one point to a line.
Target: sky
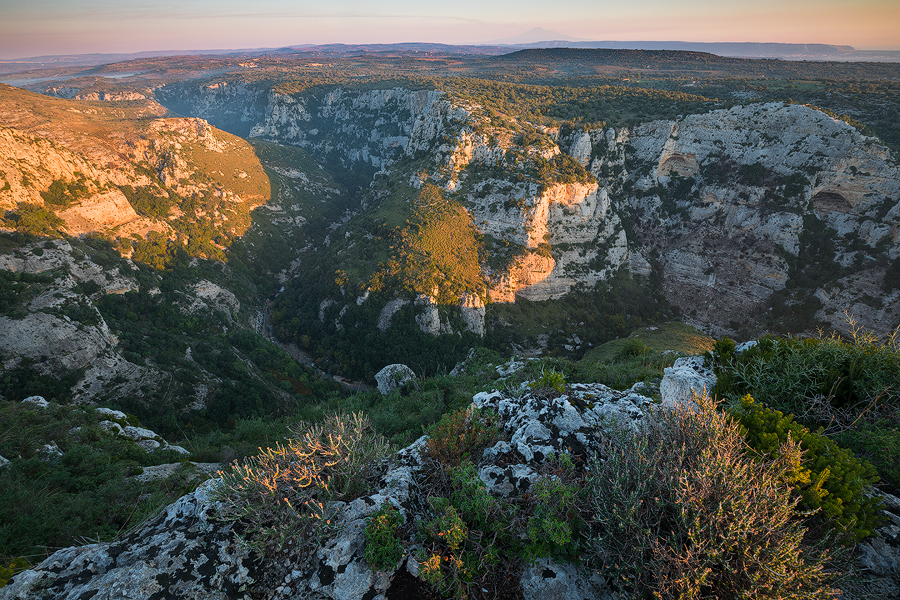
46 27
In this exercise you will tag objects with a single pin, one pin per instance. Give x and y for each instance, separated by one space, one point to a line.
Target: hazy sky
37 27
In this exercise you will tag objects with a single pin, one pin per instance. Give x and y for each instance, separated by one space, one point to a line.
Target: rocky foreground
185 552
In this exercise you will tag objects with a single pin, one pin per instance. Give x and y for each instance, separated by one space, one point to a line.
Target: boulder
392 377
37 401
688 376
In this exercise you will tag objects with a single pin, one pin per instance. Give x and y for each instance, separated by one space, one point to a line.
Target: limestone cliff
720 205
737 211
97 149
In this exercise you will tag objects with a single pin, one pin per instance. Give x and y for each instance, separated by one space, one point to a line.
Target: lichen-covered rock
184 553
181 553
548 580
393 377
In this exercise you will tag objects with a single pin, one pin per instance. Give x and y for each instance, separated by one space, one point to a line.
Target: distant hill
816 52
534 38
537 35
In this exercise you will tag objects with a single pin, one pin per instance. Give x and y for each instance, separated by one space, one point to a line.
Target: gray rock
688 376
139 433
50 453
3 462
392 377
118 415
37 401
547 580
112 427
148 445
507 481
181 553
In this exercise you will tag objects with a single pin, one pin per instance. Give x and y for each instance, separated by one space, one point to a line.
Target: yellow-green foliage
830 479
8 568
34 220
468 536
439 250
550 379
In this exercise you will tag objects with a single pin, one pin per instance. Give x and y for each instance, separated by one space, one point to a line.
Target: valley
175 228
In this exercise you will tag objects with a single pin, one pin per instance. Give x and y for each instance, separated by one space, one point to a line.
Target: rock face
718 205
73 347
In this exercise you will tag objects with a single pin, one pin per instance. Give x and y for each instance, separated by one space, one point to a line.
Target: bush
830 480
470 544
63 193
549 380
32 219
461 433
849 389
281 493
555 522
793 374
383 550
683 512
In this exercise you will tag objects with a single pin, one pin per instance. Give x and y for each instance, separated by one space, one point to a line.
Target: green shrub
850 389
683 512
383 550
32 219
469 537
555 522
549 380
633 347
63 193
879 443
460 434
830 480
790 373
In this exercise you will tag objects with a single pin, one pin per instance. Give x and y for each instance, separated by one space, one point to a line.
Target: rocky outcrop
687 377
63 344
101 212
179 554
186 553
206 295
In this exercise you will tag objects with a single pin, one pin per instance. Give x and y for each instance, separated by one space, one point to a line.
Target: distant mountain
538 35
534 38
818 52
